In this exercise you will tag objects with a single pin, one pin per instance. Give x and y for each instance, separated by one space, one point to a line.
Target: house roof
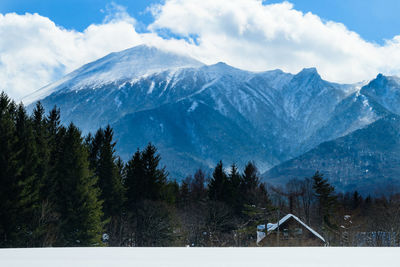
273 226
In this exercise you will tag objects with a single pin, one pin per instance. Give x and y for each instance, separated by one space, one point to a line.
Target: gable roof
273 226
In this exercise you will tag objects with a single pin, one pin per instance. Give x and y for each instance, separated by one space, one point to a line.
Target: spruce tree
219 188
197 187
170 192
28 213
134 181
53 145
235 196
94 146
53 121
155 178
110 183
327 200
77 200
184 193
10 170
250 184
146 185
41 139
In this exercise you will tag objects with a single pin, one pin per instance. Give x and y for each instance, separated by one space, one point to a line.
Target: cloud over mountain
249 34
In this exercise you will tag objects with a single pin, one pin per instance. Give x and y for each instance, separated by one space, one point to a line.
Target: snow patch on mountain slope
151 87
193 106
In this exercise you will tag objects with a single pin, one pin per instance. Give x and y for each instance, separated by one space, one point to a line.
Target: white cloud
34 51
248 34
254 35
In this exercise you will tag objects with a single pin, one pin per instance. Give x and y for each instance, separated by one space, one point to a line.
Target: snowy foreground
192 257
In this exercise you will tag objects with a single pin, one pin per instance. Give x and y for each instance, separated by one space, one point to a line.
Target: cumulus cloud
34 51
248 34
255 35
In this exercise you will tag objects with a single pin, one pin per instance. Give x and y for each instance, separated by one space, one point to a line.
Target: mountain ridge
361 160
270 116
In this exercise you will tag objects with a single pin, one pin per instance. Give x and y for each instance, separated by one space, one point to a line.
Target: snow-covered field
193 257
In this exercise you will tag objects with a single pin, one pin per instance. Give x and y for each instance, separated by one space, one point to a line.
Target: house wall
292 234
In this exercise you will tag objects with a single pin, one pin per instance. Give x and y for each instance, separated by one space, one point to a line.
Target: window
298 231
286 233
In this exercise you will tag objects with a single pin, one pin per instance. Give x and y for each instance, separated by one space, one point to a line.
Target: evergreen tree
197 187
250 183
170 192
184 192
327 200
110 183
28 212
357 200
53 122
235 196
94 145
41 139
155 178
146 188
53 145
10 170
218 190
77 193
134 181
144 179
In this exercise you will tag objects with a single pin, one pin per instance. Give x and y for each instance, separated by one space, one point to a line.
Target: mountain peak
382 81
137 61
127 64
308 71
307 75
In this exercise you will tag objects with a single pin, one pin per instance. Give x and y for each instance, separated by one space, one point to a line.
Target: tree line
60 188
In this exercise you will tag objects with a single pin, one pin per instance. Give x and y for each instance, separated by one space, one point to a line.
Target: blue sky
374 20
77 14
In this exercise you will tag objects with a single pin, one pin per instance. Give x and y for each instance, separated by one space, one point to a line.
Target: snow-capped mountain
198 114
126 65
367 158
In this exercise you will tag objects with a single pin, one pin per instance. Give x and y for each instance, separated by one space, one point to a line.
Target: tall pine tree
10 170
134 181
218 188
28 214
326 197
110 183
77 200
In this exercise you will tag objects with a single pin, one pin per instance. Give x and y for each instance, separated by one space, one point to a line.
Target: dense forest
59 188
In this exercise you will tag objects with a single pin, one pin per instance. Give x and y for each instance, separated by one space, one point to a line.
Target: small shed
289 231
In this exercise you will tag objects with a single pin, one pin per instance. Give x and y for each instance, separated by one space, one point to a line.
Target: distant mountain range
197 114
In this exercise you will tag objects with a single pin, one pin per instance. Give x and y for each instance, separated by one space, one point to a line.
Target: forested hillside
59 188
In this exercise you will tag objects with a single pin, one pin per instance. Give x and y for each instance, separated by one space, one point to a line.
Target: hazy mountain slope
367 159
199 138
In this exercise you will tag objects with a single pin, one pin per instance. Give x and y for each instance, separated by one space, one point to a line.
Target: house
289 231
